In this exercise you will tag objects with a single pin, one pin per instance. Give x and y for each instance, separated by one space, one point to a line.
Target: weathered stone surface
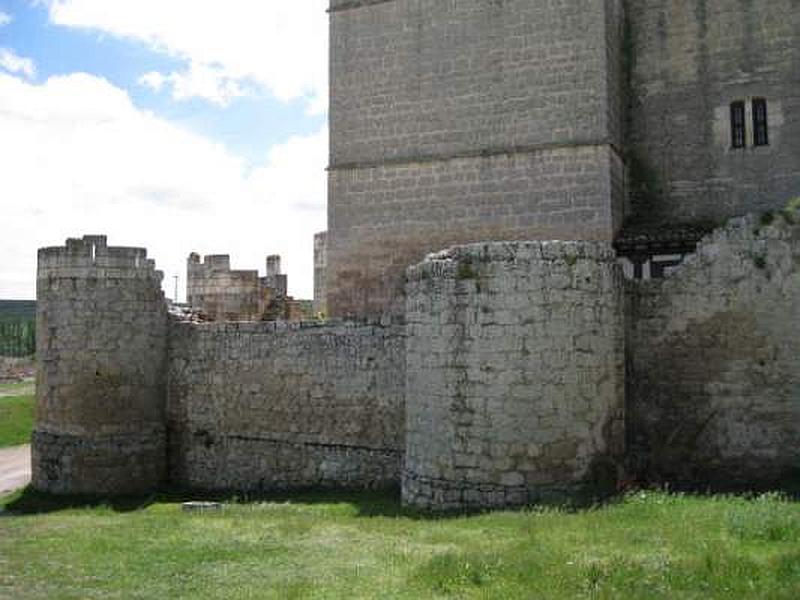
223 294
714 363
320 273
690 59
457 122
101 372
266 406
503 387
515 380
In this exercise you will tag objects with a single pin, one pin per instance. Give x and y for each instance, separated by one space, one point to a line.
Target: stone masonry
458 122
503 384
266 406
515 375
714 362
508 369
222 294
689 60
320 272
101 377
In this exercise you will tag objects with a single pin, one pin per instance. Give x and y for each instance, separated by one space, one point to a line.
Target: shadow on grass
384 503
368 503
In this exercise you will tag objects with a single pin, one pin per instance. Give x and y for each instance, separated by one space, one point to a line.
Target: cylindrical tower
101 353
515 375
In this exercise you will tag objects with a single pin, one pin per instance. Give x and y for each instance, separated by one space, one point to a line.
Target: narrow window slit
760 125
737 124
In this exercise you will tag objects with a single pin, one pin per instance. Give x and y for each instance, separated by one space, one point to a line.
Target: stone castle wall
504 386
265 406
320 305
224 294
457 122
714 363
515 375
101 376
690 60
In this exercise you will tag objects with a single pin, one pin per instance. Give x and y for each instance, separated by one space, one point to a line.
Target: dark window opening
760 127
737 124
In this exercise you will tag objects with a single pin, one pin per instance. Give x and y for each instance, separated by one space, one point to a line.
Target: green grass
648 545
16 415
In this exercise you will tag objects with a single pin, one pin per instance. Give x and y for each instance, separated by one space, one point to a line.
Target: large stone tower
456 122
101 351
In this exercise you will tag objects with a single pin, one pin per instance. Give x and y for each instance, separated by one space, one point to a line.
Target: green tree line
17 336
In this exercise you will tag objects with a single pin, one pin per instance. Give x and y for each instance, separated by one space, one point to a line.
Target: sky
175 125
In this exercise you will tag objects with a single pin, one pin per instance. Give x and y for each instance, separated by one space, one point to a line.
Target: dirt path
25 390
15 468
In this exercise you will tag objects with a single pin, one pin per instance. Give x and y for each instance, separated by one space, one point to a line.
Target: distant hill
17 327
17 309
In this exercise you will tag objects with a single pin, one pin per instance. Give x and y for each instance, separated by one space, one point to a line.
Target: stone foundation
101 464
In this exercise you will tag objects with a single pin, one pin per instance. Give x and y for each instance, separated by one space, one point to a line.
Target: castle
469 359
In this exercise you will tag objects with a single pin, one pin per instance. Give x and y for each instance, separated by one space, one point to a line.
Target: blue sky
209 118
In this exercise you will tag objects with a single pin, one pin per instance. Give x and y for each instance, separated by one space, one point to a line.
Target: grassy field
647 545
16 414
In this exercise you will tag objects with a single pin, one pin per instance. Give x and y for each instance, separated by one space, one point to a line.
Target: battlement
224 294
91 256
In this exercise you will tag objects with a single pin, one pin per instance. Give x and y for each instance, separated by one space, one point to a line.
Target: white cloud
11 62
200 81
154 80
5 18
279 46
78 157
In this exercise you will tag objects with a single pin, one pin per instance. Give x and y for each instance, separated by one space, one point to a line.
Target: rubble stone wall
714 362
101 370
271 406
515 374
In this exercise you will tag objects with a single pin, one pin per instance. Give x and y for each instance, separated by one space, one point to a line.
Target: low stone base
98 465
255 464
442 495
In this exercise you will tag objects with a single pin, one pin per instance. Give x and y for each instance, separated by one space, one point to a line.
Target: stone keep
101 352
470 120
515 377
458 122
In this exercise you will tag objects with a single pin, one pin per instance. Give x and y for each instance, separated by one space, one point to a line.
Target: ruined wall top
91 256
216 263
453 262
337 5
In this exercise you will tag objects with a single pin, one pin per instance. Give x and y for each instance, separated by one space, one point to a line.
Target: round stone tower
101 353
515 375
